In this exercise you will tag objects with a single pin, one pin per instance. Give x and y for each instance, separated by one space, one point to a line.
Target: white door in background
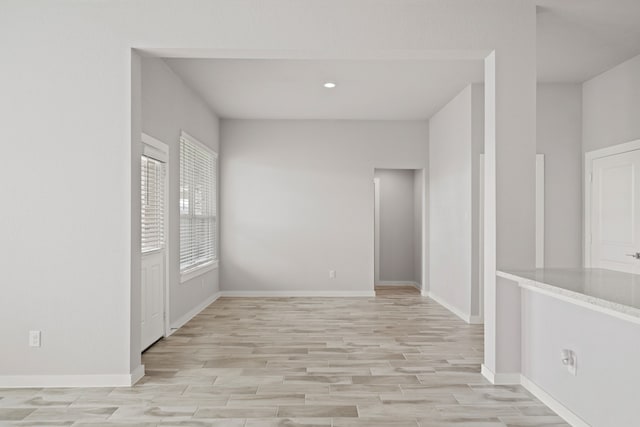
615 212
153 236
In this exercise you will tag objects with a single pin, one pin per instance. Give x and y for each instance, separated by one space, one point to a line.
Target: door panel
152 298
152 220
615 212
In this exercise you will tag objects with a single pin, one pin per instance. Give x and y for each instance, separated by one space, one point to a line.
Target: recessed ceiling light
329 85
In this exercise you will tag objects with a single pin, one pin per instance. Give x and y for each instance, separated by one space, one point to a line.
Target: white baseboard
500 378
286 294
137 374
48 381
557 407
398 283
182 320
474 320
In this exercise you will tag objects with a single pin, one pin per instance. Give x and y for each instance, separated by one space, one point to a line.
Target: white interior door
153 235
152 298
615 212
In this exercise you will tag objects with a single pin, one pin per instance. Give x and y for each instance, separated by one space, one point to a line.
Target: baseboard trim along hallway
181 321
56 381
472 320
293 294
518 379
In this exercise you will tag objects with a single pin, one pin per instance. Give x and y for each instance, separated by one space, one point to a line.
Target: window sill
198 271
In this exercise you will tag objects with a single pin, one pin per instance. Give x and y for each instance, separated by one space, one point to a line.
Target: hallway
395 360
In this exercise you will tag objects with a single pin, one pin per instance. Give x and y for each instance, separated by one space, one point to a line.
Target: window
198 215
152 208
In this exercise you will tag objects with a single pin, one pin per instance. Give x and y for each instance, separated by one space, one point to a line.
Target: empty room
320 213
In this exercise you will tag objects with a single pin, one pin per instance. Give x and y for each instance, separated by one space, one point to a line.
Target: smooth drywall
453 209
169 107
477 205
559 138
604 391
611 107
66 107
297 200
397 225
418 219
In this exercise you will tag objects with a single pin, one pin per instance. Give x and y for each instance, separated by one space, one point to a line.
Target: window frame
191 272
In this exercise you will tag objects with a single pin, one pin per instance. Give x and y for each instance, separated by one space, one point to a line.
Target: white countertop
611 290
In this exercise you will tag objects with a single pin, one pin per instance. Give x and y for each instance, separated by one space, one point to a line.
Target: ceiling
293 89
576 40
579 39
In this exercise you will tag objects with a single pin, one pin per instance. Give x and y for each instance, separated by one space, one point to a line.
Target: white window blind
198 215
152 208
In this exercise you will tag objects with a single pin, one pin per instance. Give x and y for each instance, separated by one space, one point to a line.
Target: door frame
158 150
376 231
424 240
589 157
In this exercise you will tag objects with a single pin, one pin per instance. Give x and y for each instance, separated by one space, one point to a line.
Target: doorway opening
153 240
399 226
612 200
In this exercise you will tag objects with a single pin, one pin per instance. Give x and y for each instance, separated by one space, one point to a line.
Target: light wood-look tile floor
395 360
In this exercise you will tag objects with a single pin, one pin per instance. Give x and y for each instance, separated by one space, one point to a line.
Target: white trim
540 210
376 231
424 239
480 316
182 320
186 136
192 273
398 283
557 407
290 294
613 150
154 148
589 157
137 374
499 379
474 320
160 151
48 381
513 379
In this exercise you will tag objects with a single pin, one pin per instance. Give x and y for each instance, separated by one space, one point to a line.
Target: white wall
297 200
604 391
454 150
611 107
168 107
397 225
418 196
66 107
559 138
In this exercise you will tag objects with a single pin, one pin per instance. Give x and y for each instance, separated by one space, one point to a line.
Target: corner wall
454 146
559 138
169 106
611 107
66 107
297 200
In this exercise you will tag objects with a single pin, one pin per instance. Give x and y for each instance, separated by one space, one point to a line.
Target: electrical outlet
570 360
332 274
34 338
